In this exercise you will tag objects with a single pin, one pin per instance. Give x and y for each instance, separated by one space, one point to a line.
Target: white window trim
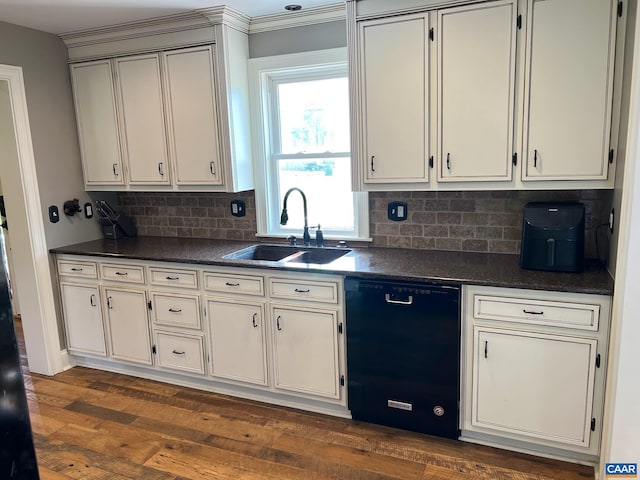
259 69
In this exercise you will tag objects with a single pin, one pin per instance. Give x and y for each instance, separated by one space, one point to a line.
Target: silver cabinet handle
531 312
408 301
212 167
278 323
176 352
172 278
175 310
115 172
109 303
254 320
299 290
122 274
161 169
229 284
92 300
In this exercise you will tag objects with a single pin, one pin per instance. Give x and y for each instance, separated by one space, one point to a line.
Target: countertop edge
604 286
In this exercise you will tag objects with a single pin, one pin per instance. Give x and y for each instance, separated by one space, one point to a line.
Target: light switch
397 211
54 214
238 208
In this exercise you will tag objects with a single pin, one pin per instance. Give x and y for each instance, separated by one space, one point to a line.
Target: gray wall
43 58
298 39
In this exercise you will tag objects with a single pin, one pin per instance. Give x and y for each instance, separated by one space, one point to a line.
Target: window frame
265 73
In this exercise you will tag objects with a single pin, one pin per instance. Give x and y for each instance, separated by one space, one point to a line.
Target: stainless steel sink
289 254
270 253
319 256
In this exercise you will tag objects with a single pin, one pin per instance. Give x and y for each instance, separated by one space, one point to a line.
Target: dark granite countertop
499 270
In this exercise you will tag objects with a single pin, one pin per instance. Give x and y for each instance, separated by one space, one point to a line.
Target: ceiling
63 16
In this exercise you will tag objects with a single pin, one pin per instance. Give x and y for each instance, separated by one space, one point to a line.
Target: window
302 140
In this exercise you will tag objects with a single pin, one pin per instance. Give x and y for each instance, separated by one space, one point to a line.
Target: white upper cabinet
176 106
95 105
568 89
394 65
192 116
496 94
476 75
139 88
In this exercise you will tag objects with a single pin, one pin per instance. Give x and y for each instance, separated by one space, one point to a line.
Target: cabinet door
476 72
394 60
568 91
533 384
95 105
128 325
238 341
143 129
306 351
83 319
192 116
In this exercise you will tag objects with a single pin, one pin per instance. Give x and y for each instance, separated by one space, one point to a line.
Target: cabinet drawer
249 285
304 290
173 278
123 273
77 269
180 352
538 312
176 310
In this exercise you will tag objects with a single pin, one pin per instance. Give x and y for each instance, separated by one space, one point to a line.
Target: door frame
31 255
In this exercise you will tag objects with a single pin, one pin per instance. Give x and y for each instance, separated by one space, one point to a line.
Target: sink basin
289 254
271 253
318 256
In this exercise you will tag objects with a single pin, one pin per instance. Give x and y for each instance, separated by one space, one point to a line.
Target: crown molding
224 15
312 16
125 31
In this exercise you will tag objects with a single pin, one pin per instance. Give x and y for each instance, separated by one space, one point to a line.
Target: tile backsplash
460 221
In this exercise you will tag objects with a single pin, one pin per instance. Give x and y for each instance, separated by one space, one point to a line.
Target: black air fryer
553 236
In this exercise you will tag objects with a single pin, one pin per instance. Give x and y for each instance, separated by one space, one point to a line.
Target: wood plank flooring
93 425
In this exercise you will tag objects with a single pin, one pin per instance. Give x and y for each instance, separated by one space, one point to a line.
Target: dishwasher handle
388 299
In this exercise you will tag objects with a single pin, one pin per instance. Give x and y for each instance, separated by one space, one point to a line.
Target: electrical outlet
611 216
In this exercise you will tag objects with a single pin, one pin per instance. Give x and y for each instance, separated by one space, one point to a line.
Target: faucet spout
284 216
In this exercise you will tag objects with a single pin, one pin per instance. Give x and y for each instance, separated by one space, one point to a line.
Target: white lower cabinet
306 350
129 334
268 335
83 315
532 379
179 351
238 340
550 377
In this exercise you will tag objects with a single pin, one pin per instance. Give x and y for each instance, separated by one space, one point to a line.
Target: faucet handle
293 241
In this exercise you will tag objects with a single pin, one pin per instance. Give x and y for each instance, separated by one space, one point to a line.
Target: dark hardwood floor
94 425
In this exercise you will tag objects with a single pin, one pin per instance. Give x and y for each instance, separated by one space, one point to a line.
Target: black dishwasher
403 354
